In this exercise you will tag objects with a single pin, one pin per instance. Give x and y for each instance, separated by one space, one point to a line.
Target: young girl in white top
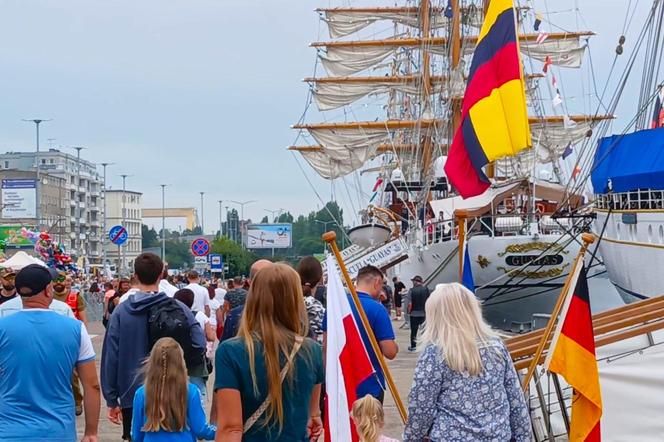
369 420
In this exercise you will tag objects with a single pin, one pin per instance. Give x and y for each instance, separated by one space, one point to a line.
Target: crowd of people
258 341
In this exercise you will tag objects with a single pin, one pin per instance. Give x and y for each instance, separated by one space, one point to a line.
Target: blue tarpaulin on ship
631 161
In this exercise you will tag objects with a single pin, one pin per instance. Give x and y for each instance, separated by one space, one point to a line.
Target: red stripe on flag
578 324
503 67
460 171
595 435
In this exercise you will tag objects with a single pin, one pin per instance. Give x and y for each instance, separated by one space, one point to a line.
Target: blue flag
449 12
568 151
467 278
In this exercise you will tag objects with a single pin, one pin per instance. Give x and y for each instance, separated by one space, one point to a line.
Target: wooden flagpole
330 238
588 238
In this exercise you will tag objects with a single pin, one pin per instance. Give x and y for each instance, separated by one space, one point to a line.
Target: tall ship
628 172
388 87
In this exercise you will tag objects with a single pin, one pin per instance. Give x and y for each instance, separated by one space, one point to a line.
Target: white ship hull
633 252
509 303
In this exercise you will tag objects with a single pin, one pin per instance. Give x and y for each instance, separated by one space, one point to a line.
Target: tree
150 237
178 254
239 260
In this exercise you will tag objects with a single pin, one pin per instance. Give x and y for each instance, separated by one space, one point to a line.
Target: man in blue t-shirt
36 402
369 283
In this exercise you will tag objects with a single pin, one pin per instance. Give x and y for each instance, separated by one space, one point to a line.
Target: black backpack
167 319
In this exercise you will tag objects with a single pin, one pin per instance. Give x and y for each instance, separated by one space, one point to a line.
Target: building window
6 164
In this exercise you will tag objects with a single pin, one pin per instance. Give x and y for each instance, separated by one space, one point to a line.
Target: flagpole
461 215
588 238
330 238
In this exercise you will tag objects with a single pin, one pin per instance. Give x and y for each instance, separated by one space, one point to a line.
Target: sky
196 94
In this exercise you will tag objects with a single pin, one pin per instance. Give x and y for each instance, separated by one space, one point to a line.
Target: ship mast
427 148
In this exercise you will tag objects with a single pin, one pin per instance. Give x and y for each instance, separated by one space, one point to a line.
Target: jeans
200 383
415 322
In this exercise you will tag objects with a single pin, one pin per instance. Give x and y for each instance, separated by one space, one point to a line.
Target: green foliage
150 237
178 254
239 261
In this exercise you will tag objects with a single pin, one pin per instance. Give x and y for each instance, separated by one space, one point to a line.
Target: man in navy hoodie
126 343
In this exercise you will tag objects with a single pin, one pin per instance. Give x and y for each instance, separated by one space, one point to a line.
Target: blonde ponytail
369 419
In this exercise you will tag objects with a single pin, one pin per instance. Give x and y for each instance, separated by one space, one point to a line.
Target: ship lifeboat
369 235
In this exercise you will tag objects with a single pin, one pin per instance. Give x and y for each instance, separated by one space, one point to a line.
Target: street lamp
124 221
325 223
163 222
103 220
37 122
202 215
278 212
242 204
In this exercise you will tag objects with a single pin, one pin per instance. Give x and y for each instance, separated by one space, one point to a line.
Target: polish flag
347 362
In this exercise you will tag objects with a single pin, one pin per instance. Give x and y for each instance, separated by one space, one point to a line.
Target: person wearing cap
417 299
35 387
72 297
63 292
8 289
369 282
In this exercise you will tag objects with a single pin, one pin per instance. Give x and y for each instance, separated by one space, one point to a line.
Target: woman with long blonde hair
268 377
167 407
465 386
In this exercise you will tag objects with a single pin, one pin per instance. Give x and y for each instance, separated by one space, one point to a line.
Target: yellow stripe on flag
579 368
507 136
496 7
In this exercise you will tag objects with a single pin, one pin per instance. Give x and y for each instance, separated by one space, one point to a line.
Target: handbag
284 371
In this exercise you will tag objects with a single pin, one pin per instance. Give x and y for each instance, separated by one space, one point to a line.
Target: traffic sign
118 235
200 247
216 263
200 262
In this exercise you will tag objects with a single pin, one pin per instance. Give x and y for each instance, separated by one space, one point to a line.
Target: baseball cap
33 279
417 278
7 273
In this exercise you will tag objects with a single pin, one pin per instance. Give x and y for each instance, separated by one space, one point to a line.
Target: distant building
79 226
232 226
18 201
132 220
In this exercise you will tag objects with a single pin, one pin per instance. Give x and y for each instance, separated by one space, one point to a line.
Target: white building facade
81 226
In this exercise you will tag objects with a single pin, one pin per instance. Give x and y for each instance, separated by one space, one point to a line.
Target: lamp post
325 223
104 234
202 222
278 212
79 211
37 122
123 249
163 222
242 204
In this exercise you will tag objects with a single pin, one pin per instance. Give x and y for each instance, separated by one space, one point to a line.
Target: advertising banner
269 236
19 198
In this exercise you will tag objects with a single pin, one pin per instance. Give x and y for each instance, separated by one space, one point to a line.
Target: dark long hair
311 274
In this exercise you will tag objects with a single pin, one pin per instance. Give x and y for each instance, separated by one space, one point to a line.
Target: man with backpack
134 327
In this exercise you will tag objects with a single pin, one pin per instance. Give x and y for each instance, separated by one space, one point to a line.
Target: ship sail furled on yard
390 87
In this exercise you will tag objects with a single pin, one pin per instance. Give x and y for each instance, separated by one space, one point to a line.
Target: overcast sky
198 94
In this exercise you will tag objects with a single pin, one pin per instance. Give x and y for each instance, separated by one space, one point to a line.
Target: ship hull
632 248
517 304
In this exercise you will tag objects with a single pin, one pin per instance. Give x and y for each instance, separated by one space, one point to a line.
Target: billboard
269 236
11 237
19 198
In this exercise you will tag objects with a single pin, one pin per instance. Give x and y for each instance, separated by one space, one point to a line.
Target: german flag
572 356
494 117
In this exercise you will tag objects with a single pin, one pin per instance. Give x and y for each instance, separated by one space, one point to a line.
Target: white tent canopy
20 260
449 205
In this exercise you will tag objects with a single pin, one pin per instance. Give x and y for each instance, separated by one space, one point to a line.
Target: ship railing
643 199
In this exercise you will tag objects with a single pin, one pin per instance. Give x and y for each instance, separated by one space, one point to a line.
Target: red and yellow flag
494 117
572 355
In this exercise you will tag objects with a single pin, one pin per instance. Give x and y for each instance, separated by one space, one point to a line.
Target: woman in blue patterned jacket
465 387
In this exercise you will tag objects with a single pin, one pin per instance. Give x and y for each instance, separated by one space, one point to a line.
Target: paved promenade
402 370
